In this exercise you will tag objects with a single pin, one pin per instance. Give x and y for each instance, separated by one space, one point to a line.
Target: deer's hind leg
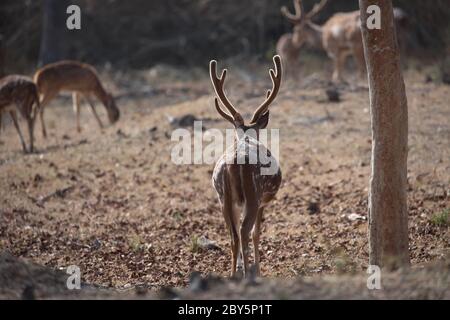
29 112
255 237
250 215
76 108
30 116
16 124
338 61
41 117
232 221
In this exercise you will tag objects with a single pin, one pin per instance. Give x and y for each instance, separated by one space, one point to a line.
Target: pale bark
388 211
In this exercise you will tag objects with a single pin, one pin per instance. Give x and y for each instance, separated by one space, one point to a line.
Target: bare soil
112 202
22 279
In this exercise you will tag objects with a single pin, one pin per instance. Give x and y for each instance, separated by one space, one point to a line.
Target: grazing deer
20 93
80 79
239 182
340 36
289 44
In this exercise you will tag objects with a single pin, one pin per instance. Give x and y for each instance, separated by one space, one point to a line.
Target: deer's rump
242 171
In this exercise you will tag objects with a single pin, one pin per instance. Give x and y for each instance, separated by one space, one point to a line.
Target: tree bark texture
388 211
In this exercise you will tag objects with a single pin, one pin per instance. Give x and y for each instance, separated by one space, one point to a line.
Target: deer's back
67 75
342 31
239 163
16 88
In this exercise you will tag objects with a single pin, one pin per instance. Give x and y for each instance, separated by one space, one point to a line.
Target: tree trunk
388 212
54 25
2 57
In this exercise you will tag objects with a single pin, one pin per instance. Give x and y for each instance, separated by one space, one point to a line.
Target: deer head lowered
238 177
82 80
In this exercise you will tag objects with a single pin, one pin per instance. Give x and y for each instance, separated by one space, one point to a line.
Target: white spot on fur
336 30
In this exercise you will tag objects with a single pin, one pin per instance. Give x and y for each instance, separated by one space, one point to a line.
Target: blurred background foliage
141 33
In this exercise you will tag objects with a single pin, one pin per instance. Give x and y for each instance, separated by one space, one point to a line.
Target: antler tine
218 88
221 112
298 16
271 94
316 9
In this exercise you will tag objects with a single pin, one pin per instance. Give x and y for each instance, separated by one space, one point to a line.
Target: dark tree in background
388 211
142 33
53 29
2 56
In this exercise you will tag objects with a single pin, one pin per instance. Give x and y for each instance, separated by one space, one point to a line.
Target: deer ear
263 121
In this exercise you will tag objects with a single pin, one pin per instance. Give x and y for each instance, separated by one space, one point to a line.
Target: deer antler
298 16
316 9
271 94
223 113
218 83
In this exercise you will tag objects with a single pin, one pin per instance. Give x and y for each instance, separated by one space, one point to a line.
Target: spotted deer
20 93
240 182
340 36
79 78
289 44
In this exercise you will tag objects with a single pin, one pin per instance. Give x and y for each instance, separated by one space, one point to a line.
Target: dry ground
113 203
21 279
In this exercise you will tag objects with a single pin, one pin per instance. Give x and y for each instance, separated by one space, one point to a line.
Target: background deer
242 184
80 79
340 36
19 93
289 44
